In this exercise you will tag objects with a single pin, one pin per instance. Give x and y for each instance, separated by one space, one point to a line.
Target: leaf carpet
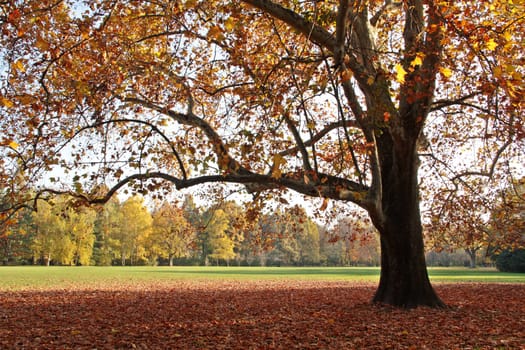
258 315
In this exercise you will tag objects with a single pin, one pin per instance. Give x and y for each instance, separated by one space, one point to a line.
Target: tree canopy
341 100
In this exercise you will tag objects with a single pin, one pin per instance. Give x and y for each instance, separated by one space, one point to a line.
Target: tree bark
404 279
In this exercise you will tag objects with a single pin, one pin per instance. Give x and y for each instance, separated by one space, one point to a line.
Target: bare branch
320 135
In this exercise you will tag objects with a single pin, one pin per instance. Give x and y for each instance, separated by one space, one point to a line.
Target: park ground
243 308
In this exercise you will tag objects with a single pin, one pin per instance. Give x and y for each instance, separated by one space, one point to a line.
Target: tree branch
315 33
320 135
224 159
340 32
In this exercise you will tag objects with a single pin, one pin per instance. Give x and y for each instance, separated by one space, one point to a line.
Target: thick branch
418 90
316 33
224 159
340 33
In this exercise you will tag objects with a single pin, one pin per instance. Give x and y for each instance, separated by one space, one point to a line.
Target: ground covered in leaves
258 315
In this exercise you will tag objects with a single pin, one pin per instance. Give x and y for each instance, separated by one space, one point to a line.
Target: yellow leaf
229 24
188 4
491 45
509 68
6 103
418 60
19 66
400 73
13 145
498 72
447 72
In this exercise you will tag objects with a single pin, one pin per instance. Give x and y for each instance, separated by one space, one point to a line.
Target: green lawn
39 277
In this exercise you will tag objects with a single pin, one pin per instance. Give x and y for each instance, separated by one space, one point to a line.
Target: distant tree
219 243
239 225
333 251
172 235
106 226
294 237
511 261
358 238
507 218
130 232
51 241
16 237
477 219
458 220
79 224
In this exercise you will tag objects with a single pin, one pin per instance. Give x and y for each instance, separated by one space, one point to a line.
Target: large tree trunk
404 279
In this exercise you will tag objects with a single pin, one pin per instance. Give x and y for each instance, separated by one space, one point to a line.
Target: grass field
39 277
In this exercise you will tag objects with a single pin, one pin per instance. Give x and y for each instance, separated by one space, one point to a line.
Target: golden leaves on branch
278 161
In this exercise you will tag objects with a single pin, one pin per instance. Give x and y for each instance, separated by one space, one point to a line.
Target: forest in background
129 232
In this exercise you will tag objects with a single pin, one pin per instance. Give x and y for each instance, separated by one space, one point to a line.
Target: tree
172 233
79 225
297 236
511 261
51 243
16 237
507 219
131 230
106 224
458 220
477 218
219 244
329 99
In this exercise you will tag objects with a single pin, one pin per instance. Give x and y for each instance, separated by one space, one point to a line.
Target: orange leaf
346 75
324 205
215 32
6 103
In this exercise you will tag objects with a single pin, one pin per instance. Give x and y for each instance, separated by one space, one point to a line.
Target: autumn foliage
342 100
258 315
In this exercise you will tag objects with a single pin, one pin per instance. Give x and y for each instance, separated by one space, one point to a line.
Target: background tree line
128 233
224 233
